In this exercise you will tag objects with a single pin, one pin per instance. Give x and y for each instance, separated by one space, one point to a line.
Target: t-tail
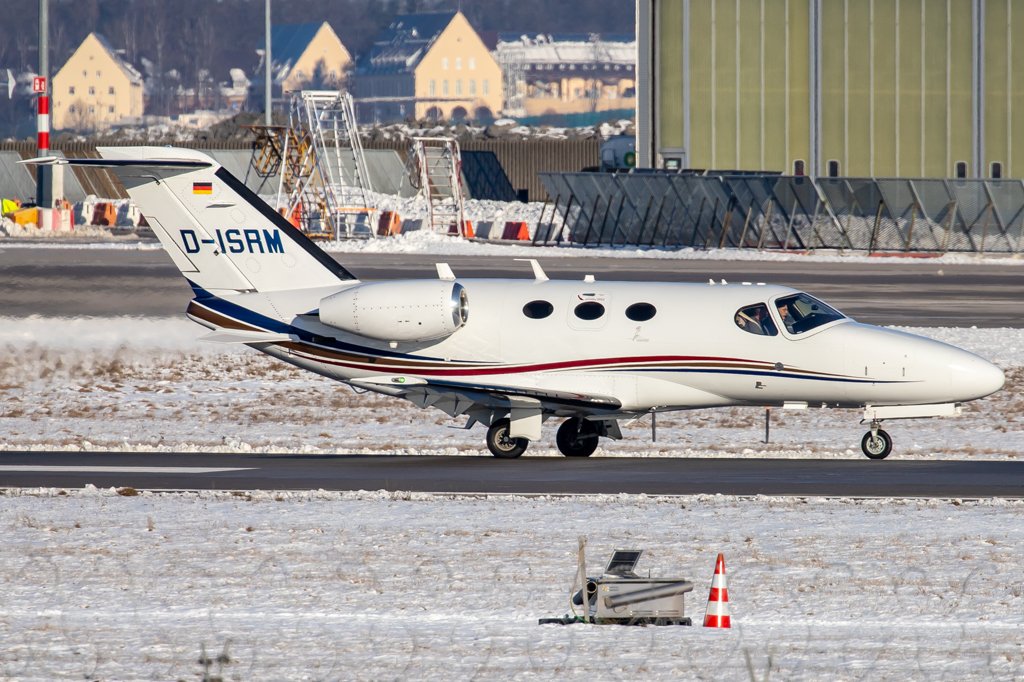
219 233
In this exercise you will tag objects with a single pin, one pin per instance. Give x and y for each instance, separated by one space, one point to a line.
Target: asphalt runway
893 291
527 475
103 282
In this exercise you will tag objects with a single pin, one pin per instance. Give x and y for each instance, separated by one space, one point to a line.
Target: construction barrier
389 224
104 214
64 216
516 231
467 229
26 216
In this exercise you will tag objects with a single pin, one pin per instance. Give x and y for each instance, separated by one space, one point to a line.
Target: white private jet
512 353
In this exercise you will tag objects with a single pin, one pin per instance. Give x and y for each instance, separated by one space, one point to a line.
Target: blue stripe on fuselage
756 373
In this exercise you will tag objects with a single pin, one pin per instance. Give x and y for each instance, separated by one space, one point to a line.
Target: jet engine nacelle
420 310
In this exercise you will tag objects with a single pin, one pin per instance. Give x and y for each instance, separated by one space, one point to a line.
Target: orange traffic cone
717 615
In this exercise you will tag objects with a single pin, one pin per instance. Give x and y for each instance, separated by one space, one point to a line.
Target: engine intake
421 310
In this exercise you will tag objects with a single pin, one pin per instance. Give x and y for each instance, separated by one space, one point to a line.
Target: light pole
43 172
268 117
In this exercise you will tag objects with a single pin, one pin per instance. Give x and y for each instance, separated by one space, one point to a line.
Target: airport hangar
854 88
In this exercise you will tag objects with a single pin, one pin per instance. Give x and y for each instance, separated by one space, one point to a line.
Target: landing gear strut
499 443
876 443
577 437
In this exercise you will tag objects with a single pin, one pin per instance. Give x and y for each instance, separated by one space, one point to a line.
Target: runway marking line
85 469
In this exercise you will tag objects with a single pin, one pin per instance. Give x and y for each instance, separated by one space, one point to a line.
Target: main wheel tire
499 443
577 437
876 447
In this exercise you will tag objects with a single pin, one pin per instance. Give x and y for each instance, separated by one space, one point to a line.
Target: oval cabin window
589 310
538 310
641 312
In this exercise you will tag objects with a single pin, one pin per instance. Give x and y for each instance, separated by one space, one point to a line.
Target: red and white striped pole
44 174
43 124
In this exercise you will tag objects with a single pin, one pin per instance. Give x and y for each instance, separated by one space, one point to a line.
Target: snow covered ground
372 586
135 384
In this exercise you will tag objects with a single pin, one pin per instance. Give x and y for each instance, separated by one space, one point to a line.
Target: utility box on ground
620 596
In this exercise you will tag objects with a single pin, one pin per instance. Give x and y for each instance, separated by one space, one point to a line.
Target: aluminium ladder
437 171
337 186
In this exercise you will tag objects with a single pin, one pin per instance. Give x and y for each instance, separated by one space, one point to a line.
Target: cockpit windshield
801 313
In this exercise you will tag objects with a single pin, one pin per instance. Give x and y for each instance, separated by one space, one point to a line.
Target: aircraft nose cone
975 377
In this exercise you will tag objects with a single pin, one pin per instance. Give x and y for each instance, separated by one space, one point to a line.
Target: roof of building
287 44
400 47
548 49
131 72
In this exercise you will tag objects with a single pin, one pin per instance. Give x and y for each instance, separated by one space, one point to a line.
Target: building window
92 90
798 167
92 109
110 90
997 170
486 86
833 168
444 63
432 89
458 87
472 63
71 90
444 87
472 86
458 63
961 169
110 110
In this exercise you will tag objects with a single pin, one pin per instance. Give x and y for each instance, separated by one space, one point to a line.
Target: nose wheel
876 443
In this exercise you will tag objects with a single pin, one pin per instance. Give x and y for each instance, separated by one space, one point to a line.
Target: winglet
444 272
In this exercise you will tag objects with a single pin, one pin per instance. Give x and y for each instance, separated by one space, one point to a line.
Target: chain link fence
678 210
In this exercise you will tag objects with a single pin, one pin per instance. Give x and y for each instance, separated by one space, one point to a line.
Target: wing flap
430 391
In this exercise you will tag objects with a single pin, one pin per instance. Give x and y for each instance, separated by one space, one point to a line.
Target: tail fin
218 232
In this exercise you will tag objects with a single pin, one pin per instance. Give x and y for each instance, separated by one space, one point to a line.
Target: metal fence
678 210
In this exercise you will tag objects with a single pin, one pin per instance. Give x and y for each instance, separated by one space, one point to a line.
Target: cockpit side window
801 313
754 319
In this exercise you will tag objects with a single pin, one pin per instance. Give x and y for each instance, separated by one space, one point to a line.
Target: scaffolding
323 181
437 172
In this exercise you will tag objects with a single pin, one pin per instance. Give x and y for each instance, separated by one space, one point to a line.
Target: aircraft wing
461 396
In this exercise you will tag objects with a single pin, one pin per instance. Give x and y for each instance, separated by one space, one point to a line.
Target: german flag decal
202 188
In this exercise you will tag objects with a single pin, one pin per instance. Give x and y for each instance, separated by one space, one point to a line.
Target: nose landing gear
876 443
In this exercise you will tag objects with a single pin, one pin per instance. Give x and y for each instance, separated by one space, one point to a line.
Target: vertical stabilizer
218 232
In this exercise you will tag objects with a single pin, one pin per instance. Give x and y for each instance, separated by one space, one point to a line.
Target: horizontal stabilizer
116 163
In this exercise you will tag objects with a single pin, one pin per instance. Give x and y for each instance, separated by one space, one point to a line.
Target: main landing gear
501 445
576 437
876 443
